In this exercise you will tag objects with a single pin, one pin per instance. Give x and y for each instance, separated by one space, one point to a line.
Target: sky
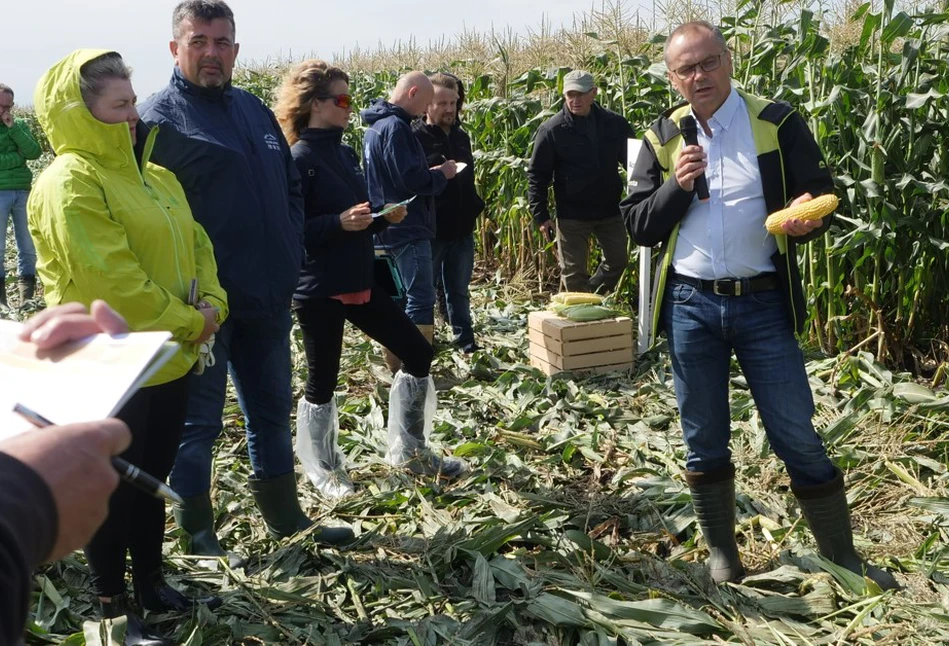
37 34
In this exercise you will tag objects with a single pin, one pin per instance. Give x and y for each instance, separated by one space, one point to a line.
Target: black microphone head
688 123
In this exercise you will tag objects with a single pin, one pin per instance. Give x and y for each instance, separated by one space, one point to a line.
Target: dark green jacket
16 146
790 162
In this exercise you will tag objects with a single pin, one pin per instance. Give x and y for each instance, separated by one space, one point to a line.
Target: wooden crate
557 344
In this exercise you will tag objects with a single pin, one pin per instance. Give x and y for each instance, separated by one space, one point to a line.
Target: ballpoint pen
127 472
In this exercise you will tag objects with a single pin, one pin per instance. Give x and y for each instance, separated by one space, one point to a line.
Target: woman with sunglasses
337 284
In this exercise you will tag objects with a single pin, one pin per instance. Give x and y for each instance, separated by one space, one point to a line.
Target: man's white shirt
725 237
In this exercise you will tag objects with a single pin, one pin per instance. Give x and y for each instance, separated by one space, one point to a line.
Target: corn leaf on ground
815 209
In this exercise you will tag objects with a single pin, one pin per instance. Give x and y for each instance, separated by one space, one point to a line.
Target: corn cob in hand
815 209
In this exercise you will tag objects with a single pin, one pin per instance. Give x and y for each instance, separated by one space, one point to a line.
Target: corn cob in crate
811 210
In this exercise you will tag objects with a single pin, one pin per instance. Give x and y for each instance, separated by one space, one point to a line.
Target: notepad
79 381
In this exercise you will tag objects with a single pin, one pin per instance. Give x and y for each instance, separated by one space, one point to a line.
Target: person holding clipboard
108 224
337 284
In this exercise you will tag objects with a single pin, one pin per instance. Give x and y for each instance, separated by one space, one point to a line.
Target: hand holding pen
127 472
73 462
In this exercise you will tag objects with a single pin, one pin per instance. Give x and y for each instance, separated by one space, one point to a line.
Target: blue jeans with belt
256 354
703 330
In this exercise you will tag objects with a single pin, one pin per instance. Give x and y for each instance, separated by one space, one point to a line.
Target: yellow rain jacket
109 227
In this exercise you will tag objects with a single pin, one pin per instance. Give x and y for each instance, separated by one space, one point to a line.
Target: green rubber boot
196 518
277 500
713 498
828 515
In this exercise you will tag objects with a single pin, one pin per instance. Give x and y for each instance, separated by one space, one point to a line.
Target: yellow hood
67 121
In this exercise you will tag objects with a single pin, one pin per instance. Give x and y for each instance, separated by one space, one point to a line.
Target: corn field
574 527
877 99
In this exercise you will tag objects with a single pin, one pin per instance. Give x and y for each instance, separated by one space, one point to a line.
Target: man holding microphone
727 285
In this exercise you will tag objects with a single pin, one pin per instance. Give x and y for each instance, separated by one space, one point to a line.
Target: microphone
690 132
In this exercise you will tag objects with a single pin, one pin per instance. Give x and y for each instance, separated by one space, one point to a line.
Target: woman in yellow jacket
108 224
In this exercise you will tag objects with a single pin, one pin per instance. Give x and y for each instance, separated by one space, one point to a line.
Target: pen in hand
127 472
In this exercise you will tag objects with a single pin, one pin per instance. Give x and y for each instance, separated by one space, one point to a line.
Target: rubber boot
27 286
3 291
317 446
411 410
828 515
137 632
713 499
153 593
277 500
196 518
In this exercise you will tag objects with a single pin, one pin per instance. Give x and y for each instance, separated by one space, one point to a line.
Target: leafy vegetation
574 527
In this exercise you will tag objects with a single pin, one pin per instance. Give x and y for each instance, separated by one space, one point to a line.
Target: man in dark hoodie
228 152
581 149
456 209
396 170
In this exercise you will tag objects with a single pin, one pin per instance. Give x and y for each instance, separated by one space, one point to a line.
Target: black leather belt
732 286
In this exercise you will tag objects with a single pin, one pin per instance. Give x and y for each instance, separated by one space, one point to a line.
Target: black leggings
321 320
136 522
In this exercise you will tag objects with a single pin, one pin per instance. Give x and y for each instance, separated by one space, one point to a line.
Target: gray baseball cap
578 81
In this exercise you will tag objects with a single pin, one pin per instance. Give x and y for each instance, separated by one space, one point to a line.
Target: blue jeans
703 329
256 354
415 264
14 203
453 261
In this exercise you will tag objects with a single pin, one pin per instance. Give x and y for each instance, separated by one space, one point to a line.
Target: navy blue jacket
396 170
229 154
459 205
337 261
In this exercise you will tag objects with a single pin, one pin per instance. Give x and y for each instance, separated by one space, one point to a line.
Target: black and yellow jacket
790 163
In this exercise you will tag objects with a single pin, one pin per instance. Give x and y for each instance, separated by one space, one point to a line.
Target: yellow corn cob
577 298
811 210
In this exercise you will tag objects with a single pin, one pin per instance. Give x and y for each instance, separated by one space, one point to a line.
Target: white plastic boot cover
317 446
411 413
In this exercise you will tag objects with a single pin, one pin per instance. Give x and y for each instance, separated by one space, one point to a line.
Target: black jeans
136 521
321 320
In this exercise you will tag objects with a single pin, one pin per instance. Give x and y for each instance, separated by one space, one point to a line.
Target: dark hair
695 25
302 84
94 73
200 11
7 89
459 87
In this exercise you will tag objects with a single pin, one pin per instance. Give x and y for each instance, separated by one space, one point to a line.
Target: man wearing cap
581 149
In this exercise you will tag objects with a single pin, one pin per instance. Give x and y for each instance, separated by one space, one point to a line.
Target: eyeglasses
708 65
340 100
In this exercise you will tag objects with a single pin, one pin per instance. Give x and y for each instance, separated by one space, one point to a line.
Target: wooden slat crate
558 344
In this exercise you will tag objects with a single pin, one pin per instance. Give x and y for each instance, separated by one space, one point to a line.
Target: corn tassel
811 210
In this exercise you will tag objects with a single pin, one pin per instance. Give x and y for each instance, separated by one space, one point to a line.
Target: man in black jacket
581 149
456 208
726 285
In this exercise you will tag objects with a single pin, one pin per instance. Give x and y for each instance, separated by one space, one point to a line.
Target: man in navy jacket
230 156
396 169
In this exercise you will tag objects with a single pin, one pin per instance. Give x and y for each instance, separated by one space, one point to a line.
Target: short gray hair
7 89
696 25
94 74
200 11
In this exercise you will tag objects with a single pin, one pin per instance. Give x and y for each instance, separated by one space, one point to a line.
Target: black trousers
321 320
136 521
